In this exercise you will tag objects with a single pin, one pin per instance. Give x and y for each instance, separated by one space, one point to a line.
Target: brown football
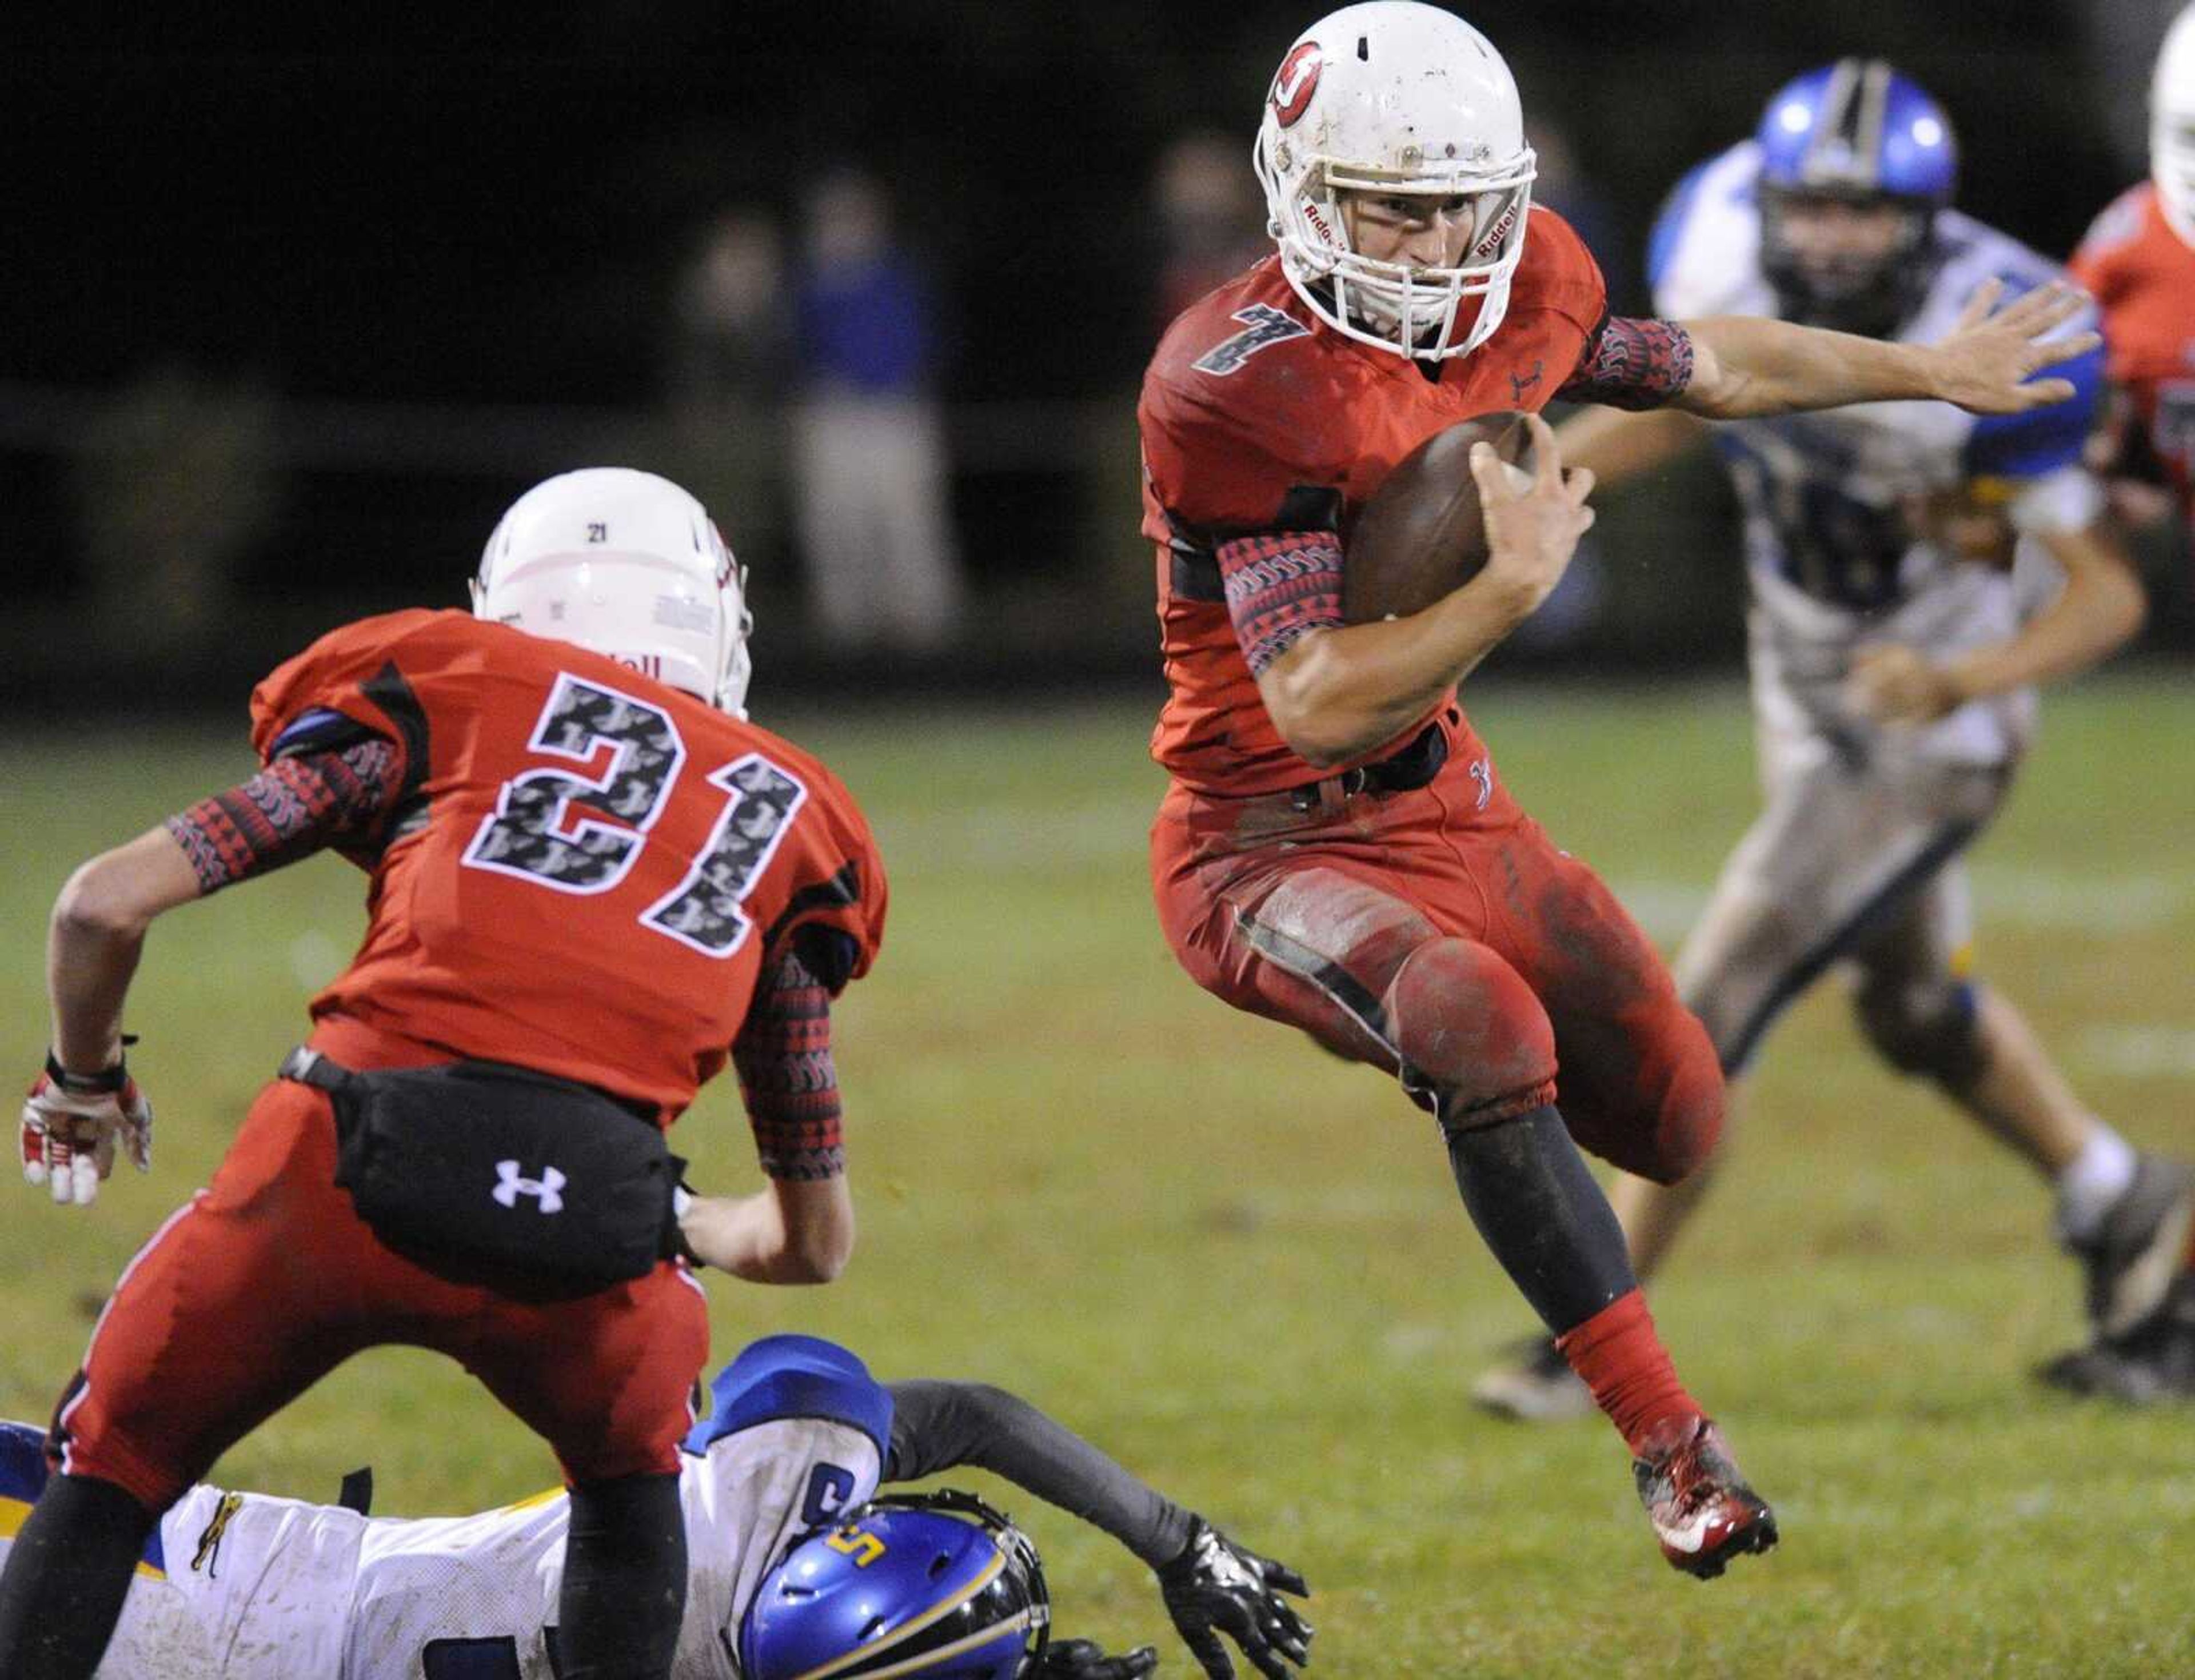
1422 533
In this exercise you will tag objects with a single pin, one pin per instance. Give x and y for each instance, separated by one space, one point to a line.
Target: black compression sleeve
937 1425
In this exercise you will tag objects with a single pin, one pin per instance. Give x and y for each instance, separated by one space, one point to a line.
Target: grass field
1242 1266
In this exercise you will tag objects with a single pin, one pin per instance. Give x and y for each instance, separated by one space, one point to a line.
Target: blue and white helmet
935 1585
1859 131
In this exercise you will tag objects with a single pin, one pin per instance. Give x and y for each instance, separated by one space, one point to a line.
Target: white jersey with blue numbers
1835 555
243 1587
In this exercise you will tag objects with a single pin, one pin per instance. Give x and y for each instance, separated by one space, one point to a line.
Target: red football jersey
1256 416
2143 276
584 869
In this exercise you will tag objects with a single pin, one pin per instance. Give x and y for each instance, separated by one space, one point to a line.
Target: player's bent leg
624 1592
1533 1199
606 1380
2126 1216
1927 1025
1641 1086
1534 1384
66 1577
243 1299
1366 972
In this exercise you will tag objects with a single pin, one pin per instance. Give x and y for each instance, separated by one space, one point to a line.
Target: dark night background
479 218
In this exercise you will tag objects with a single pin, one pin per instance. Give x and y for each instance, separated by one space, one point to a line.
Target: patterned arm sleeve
1632 364
296 805
1281 586
783 1055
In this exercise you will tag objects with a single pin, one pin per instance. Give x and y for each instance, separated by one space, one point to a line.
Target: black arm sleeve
938 1425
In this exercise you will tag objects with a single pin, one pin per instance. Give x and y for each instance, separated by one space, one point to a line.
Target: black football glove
1216 1586
1086 1659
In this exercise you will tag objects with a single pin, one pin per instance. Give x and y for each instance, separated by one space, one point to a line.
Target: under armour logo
1483 774
1521 382
545 1190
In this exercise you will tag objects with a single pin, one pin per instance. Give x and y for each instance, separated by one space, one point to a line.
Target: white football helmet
1392 96
629 565
2172 125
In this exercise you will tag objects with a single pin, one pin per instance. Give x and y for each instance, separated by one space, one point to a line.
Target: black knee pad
1931 1027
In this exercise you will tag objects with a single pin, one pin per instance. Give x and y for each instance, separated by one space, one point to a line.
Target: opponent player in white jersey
242 1586
1902 558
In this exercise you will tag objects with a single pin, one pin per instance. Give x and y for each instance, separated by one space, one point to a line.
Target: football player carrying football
1901 557
1337 850
592 881
794 1565
2139 260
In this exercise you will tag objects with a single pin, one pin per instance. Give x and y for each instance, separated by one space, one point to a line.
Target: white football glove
72 1126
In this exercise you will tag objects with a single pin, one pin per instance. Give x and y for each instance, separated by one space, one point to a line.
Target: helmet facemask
1404 308
1872 295
1393 99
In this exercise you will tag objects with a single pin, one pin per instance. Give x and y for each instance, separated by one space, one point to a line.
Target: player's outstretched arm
1211 1585
1743 366
85 1105
2100 607
1616 445
1339 692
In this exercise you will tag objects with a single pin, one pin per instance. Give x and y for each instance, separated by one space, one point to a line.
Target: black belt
1413 767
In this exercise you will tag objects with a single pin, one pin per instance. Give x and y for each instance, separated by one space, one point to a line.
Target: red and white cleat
1702 1511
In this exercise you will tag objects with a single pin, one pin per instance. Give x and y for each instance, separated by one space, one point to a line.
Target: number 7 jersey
580 871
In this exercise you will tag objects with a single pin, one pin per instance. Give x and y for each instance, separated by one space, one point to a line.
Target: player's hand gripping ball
1423 533
72 1128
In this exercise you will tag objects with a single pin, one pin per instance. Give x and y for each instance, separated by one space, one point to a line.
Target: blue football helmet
935 1585
1857 132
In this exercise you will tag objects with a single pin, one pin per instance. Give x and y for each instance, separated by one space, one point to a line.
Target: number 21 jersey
581 870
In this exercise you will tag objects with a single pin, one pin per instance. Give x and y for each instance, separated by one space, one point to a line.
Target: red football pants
1439 933
268 1279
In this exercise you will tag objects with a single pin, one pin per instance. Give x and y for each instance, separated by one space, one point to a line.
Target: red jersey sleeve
829 910
346 685
1241 418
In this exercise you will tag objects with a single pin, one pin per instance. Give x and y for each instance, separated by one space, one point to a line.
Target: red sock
1616 1353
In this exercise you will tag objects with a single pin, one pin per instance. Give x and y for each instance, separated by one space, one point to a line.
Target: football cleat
1535 1385
1702 1511
2140 1250
2153 1364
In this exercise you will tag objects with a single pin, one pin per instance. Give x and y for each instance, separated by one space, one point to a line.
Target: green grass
1240 1265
